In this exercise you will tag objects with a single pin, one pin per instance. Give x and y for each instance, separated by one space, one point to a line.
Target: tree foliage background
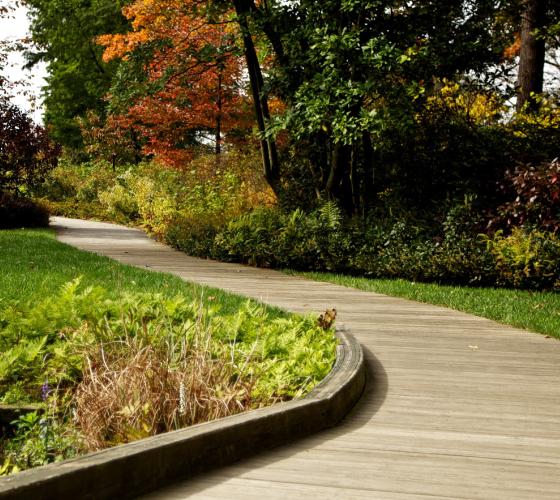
361 102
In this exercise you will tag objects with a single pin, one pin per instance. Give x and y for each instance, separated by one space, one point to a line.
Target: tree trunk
136 146
531 55
260 101
219 116
338 183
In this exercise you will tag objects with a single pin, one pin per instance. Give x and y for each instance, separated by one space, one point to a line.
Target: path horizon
455 406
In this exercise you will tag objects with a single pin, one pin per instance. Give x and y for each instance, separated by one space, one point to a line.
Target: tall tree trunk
219 116
260 101
136 146
531 55
338 182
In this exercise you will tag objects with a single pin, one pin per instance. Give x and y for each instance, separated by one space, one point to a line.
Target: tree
271 167
531 53
63 33
355 74
192 87
113 139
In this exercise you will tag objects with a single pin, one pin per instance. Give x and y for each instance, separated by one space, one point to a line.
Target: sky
15 28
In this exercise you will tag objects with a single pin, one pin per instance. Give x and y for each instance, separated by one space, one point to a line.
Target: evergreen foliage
63 33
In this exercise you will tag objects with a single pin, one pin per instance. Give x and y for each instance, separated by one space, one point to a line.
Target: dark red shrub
537 196
17 212
26 152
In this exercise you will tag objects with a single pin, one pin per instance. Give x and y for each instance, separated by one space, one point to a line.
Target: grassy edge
538 312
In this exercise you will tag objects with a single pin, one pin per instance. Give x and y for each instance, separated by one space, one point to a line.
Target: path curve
456 406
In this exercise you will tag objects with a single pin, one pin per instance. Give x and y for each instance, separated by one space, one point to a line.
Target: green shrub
377 247
209 188
192 236
17 212
82 182
269 237
78 210
120 200
527 258
156 194
220 208
459 255
250 238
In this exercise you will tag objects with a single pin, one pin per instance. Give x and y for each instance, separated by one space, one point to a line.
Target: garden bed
113 354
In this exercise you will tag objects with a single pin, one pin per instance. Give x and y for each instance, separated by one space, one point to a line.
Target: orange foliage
512 51
201 71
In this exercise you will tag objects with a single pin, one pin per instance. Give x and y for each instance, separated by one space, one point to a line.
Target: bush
536 192
273 238
26 151
192 236
119 200
17 212
459 256
221 208
74 190
169 203
82 182
527 258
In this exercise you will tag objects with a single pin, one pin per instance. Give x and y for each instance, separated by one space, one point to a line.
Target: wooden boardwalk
456 406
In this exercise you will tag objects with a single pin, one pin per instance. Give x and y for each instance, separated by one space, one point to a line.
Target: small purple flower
45 391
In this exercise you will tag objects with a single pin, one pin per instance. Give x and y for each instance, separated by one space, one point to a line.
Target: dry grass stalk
135 391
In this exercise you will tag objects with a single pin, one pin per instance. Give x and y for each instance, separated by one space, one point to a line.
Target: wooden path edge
132 469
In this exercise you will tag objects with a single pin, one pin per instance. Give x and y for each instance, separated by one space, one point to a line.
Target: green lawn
535 311
33 265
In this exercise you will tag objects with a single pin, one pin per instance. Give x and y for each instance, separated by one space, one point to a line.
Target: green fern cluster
48 347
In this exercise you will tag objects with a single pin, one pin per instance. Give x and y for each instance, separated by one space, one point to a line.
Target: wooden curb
132 469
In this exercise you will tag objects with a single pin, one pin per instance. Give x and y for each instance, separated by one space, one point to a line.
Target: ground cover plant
113 353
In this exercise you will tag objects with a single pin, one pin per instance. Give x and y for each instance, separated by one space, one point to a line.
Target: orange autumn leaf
201 69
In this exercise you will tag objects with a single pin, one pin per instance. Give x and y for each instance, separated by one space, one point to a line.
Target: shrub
527 258
17 212
192 236
73 190
375 246
537 197
119 200
250 238
271 237
460 256
26 151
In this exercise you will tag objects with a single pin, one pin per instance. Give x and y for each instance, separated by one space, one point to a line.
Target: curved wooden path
456 406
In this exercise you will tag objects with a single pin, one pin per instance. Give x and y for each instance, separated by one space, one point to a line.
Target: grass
34 265
534 311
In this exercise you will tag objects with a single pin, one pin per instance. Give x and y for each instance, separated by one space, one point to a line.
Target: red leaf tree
194 96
